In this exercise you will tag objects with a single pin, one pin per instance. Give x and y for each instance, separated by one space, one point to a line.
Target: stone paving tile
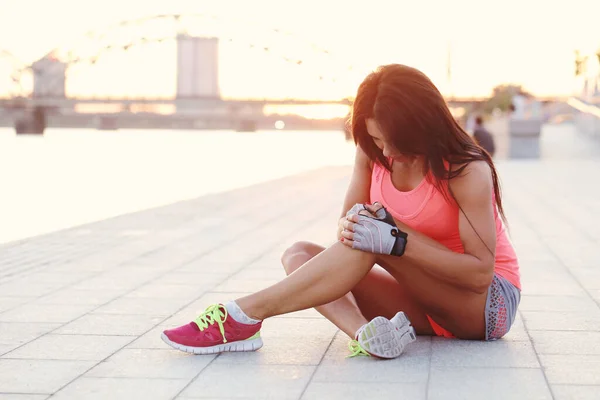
562 321
577 304
15 334
151 339
269 261
161 290
553 271
39 376
281 351
412 367
221 267
5 348
21 288
121 388
72 296
572 369
270 274
575 392
206 279
45 313
498 354
71 347
365 390
244 285
487 383
144 363
168 257
6 303
588 277
113 280
262 381
212 398
567 343
580 254
108 324
14 396
53 276
517 331
554 288
536 286
595 296
193 309
298 327
141 306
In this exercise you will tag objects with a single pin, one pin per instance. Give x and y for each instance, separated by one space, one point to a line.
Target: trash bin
524 138
525 127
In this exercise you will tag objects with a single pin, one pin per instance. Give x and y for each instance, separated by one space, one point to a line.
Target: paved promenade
81 310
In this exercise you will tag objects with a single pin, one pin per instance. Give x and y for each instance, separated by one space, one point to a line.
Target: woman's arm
360 184
474 269
359 188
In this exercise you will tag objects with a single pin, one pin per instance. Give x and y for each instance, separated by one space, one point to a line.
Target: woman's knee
297 254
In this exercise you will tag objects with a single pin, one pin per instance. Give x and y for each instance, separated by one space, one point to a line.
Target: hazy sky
529 42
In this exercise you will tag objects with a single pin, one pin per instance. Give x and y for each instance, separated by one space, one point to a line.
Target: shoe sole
242 345
384 339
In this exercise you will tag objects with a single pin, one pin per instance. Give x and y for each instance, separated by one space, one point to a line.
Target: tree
502 96
580 63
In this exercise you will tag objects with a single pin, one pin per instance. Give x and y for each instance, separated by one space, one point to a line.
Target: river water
70 177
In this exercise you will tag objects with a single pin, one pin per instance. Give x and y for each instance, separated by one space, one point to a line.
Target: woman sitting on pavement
422 241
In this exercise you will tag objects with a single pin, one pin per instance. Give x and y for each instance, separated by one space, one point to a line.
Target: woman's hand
346 228
373 230
346 224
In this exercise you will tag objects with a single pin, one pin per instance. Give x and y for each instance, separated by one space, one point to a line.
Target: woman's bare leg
343 312
335 271
458 310
325 278
378 293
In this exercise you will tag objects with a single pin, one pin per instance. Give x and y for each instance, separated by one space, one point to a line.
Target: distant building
588 92
197 67
588 80
49 77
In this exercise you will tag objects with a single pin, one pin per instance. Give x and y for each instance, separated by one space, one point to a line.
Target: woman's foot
385 338
214 331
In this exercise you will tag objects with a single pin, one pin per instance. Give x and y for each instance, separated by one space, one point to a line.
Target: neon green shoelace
215 313
356 349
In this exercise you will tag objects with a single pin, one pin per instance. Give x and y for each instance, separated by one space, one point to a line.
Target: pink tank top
426 210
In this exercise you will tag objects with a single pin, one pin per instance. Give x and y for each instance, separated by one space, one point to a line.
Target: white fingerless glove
355 209
379 235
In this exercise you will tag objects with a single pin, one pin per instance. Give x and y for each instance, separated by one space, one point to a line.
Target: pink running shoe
214 331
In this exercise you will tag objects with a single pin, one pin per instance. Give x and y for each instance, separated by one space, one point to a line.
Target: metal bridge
44 84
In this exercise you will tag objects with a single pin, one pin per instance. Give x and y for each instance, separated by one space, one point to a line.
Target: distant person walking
470 124
483 137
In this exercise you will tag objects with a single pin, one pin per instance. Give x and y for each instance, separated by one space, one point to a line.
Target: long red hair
413 115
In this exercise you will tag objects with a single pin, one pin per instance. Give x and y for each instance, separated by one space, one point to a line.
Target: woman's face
380 140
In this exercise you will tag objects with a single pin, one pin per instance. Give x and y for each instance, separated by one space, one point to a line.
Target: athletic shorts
500 310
